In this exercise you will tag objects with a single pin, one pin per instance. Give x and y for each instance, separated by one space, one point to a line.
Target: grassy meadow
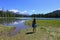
46 30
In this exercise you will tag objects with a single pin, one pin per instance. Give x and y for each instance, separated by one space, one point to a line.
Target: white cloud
20 12
33 10
24 11
14 10
0 8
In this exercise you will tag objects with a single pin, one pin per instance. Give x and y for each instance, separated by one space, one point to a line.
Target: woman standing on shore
34 25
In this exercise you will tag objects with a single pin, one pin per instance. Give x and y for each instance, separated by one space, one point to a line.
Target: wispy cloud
14 10
24 11
33 10
20 12
0 8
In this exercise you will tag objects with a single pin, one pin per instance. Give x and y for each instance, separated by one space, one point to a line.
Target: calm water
19 22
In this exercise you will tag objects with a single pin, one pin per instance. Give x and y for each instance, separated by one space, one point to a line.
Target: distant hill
55 14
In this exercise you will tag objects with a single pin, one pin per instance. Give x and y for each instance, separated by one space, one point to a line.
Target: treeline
9 14
54 14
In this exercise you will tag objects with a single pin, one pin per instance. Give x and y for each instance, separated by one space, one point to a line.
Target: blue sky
30 6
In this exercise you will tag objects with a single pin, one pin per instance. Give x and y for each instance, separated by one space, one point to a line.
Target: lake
19 22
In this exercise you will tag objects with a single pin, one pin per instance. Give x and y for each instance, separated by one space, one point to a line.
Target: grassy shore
4 31
46 30
54 23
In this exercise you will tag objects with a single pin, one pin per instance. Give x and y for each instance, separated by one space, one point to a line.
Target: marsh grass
5 30
46 30
51 27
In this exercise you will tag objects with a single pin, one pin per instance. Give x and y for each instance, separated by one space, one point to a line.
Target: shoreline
47 32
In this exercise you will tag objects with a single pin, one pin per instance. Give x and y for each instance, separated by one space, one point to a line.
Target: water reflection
18 23
12 22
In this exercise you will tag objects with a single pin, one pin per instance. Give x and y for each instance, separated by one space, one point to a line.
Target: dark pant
34 29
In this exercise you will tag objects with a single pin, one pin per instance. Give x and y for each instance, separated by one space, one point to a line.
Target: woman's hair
34 20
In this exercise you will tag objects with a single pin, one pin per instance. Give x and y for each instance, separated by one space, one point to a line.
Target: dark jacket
34 23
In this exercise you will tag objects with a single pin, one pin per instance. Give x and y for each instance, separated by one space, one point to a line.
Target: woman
34 25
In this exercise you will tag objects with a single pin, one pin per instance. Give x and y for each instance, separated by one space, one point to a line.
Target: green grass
46 30
4 30
48 27
54 23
